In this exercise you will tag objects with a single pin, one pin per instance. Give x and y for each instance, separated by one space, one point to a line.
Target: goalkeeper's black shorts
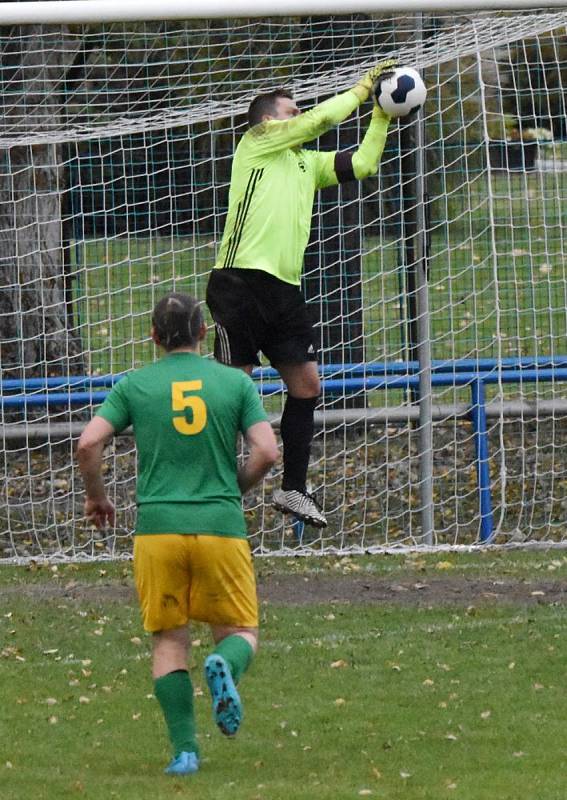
254 312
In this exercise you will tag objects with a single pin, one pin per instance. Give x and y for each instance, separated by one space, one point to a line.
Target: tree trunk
35 339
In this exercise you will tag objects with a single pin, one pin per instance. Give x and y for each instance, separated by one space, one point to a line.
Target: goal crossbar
97 11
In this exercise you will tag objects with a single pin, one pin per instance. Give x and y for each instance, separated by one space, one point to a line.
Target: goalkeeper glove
366 84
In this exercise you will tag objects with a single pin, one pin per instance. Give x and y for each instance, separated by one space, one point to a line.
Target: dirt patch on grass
313 589
445 591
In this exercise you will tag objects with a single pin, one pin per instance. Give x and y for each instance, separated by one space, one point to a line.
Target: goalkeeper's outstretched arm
365 160
346 165
273 135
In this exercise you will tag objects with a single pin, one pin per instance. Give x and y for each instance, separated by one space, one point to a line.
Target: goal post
52 12
440 285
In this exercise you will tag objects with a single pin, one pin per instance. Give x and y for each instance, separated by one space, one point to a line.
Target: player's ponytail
177 320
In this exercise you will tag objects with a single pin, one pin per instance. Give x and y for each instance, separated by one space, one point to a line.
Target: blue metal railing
341 380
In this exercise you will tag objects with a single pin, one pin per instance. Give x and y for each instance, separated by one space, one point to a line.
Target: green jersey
186 412
273 183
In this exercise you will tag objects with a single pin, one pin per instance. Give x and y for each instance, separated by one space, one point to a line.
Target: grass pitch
418 697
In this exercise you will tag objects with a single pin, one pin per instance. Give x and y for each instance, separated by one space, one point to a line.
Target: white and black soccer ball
401 92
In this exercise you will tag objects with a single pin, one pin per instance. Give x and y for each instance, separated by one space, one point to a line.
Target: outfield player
253 292
191 556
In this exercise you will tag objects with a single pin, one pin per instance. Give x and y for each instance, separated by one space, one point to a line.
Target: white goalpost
440 285
95 11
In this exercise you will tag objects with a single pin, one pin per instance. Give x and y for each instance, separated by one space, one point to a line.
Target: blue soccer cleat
183 764
227 708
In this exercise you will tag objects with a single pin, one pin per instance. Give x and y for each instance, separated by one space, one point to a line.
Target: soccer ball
401 92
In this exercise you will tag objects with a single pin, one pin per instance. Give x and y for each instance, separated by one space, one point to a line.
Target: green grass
343 699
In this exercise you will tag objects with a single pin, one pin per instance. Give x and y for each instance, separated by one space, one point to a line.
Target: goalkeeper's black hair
265 104
177 321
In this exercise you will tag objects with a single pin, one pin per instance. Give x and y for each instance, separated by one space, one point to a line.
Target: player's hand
99 512
364 87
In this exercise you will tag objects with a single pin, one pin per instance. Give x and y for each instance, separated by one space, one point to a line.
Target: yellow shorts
184 576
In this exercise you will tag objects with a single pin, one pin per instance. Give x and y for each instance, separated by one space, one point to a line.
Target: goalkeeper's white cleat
302 505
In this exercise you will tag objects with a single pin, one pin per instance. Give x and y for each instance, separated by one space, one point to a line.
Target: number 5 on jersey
181 401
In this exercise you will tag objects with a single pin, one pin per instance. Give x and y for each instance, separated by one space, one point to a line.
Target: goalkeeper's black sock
297 434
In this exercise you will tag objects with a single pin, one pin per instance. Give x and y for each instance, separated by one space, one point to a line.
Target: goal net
115 151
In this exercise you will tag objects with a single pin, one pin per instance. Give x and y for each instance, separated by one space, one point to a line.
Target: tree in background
34 329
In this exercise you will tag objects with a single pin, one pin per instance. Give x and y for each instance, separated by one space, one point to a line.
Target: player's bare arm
263 453
98 508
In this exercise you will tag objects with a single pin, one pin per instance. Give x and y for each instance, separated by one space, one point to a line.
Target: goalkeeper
254 291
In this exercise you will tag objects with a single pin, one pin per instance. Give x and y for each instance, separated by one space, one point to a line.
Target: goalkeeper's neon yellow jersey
272 187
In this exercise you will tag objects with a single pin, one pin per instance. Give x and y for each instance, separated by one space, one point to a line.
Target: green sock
237 652
174 693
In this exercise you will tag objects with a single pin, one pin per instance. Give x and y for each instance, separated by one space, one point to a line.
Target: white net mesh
116 144
72 84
